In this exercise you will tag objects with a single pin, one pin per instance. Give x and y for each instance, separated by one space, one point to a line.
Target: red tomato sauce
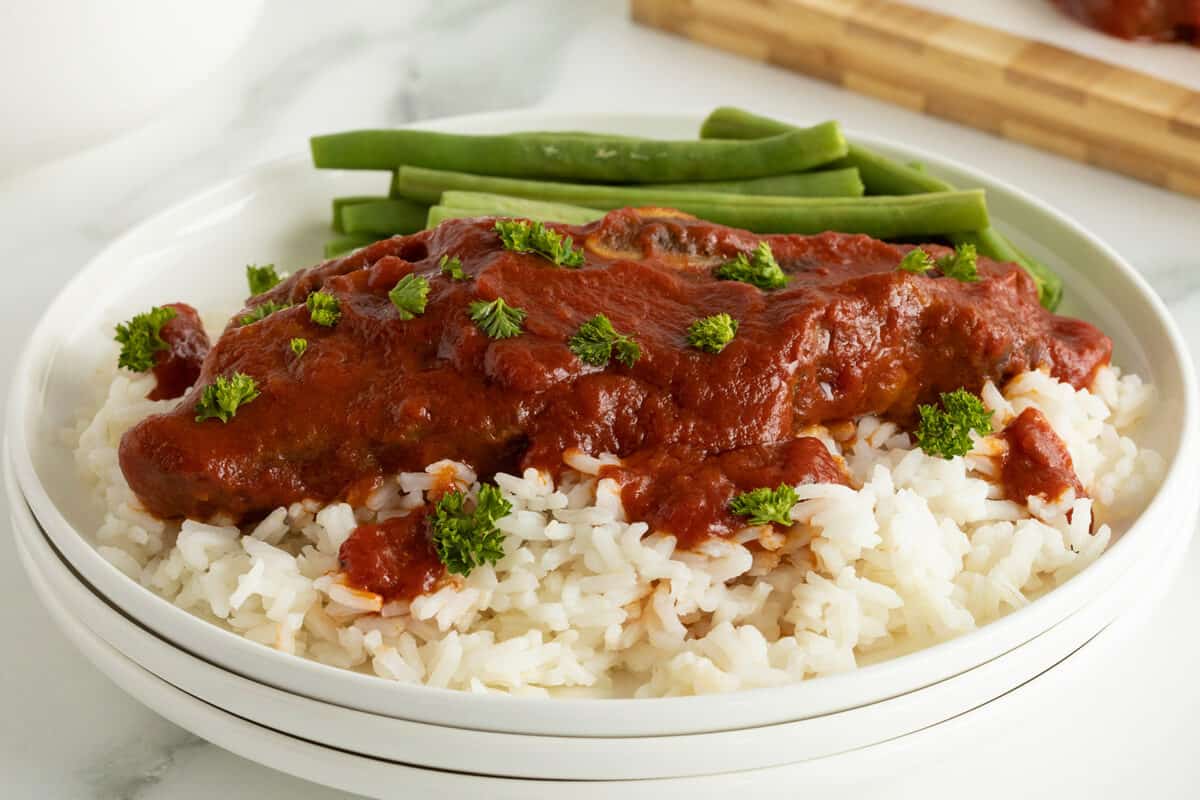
1037 461
394 558
849 335
683 492
177 367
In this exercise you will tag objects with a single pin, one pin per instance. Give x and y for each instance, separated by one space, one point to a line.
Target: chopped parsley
299 346
497 319
451 267
946 431
262 311
261 279
916 261
764 506
463 540
757 269
323 309
597 341
409 296
141 338
222 398
711 334
525 236
961 265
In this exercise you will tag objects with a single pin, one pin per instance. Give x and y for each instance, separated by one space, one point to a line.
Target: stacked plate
363 734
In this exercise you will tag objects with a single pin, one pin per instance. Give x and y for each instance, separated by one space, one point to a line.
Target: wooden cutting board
1032 92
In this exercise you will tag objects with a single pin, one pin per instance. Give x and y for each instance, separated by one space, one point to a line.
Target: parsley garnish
524 236
764 506
451 267
946 431
597 341
221 398
299 346
261 279
962 265
711 334
916 261
261 311
141 337
464 540
497 319
323 309
409 295
757 269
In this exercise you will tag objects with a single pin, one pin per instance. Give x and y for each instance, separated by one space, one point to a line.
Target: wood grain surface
1036 93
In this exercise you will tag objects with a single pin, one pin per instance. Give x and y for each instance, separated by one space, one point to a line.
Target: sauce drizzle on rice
1037 461
685 493
393 558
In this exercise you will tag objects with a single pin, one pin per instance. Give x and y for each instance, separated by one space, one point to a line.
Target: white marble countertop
1116 724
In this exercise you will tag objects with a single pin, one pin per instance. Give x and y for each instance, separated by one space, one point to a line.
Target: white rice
921 550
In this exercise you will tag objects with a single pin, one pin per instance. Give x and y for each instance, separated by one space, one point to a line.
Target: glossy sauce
177 367
1037 461
681 491
849 335
394 558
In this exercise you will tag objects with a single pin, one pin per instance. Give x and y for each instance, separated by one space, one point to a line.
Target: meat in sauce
849 335
177 367
1164 20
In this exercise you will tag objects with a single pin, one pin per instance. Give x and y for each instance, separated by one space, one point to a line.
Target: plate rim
125 672
267 709
1174 481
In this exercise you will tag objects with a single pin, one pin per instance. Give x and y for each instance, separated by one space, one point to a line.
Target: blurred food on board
1160 20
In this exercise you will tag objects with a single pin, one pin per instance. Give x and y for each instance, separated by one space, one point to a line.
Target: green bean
341 202
427 185
496 205
827 183
730 122
339 245
439 214
384 216
583 158
582 134
932 214
905 216
882 175
884 217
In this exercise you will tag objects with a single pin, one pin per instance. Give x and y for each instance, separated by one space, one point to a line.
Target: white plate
583 758
278 212
379 778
